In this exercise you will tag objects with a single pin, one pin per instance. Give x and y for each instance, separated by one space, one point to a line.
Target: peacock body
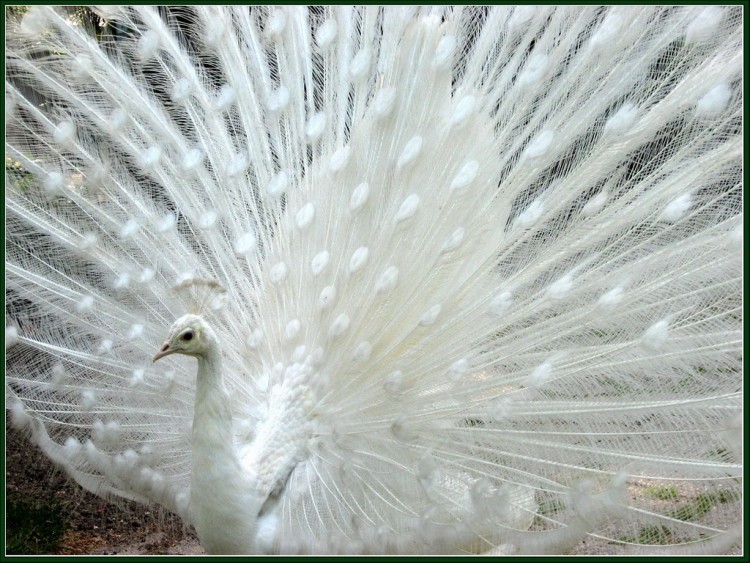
457 279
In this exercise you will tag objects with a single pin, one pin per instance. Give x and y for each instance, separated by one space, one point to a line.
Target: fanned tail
504 244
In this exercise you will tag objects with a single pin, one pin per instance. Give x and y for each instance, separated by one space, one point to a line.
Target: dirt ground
96 527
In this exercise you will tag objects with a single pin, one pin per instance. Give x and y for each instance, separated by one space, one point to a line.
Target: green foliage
33 530
650 535
15 11
17 178
551 507
702 504
720 454
662 493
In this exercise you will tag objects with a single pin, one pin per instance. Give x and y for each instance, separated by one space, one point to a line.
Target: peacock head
189 335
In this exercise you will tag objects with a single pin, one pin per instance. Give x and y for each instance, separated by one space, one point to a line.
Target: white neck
212 421
227 495
224 504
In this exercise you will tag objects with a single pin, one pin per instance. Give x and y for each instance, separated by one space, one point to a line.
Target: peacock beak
165 351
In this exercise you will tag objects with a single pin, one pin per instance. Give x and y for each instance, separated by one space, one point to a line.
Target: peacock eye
188 335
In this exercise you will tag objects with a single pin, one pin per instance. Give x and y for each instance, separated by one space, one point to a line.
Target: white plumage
482 271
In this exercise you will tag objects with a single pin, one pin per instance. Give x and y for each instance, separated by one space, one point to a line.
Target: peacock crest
201 297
